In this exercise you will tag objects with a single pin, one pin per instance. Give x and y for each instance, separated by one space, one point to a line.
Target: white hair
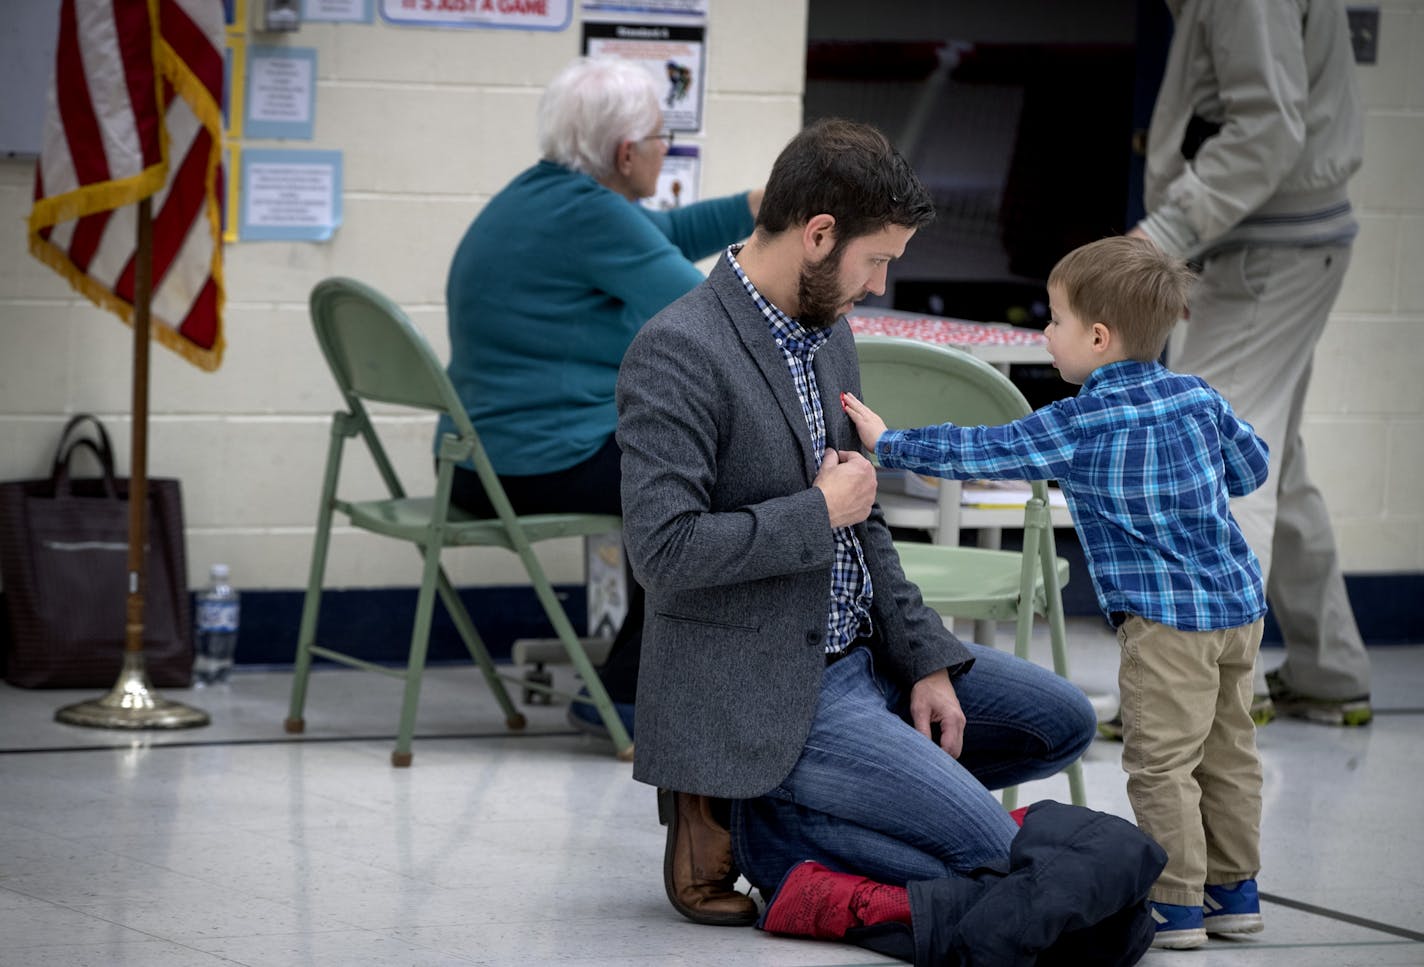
591 107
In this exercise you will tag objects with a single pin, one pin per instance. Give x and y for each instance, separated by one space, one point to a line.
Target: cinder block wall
1364 426
431 123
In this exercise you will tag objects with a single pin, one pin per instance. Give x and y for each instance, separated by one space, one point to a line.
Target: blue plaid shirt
849 608
1147 459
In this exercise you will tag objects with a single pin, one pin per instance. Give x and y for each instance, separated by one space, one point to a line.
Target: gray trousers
1256 315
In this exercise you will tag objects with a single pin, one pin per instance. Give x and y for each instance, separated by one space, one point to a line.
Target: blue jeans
872 796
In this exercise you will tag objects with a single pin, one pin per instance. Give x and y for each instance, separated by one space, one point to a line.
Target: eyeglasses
666 137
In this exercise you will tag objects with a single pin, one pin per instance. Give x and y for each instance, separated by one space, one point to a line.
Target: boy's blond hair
1129 285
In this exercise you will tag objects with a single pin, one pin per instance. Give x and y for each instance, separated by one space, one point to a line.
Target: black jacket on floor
1074 893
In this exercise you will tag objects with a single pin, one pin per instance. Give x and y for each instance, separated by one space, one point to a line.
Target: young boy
1147 460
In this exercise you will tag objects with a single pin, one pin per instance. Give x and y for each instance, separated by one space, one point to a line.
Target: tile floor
237 844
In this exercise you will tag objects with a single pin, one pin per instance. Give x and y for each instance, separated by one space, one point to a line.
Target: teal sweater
547 289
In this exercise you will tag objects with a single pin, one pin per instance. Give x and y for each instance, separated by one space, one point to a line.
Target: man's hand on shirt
847 481
933 702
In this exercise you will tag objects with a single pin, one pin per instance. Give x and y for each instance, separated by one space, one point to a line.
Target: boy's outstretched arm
867 423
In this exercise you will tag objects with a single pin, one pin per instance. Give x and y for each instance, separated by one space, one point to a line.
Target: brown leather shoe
697 865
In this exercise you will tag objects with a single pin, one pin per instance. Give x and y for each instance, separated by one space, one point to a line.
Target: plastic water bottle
217 629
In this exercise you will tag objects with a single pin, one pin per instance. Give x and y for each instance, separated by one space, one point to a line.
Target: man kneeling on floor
796 699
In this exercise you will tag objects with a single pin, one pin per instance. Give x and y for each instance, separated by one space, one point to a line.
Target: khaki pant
1189 751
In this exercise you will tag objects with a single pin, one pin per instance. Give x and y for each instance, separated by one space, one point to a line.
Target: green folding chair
912 383
377 356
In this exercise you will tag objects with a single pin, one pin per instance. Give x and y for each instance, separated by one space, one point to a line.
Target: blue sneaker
1232 908
1178 927
585 717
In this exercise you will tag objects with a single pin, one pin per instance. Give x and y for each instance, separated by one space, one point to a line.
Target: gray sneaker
1111 729
1326 711
1263 709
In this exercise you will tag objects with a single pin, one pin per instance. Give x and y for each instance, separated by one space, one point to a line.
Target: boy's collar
1122 369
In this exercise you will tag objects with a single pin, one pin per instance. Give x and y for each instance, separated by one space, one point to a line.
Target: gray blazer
734 546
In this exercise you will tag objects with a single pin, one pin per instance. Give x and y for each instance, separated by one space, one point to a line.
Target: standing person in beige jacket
1254 136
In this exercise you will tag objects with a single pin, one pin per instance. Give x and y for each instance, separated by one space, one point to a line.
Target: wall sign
675 56
507 14
680 181
337 11
290 195
280 96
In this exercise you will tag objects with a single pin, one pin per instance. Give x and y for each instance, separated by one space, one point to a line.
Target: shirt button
813 637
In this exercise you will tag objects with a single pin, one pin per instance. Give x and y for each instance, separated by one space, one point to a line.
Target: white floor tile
240 844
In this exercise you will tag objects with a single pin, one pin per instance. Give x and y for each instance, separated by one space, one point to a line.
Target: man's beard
818 292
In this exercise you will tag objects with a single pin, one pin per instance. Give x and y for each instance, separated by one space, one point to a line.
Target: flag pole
133 703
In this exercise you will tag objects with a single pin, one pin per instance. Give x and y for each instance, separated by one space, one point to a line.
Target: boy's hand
867 424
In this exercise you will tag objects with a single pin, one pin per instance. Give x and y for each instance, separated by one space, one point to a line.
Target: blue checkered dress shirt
1147 460
849 609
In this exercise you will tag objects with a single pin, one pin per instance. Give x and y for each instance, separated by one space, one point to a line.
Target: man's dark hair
849 171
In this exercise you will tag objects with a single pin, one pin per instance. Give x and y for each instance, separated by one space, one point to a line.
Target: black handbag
64 565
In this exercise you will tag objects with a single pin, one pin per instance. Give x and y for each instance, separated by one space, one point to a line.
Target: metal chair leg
311 603
513 718
1058 639
415 662
622 744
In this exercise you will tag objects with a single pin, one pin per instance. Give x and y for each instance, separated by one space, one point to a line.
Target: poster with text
683 11
280 97
679 181
337 11
290 195
506 14
675 56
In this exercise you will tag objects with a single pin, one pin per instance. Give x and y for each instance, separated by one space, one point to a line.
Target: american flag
135 111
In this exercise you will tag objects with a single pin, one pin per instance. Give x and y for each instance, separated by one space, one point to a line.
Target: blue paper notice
280 100
290 195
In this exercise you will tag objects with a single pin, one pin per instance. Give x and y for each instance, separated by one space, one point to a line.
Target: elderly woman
547 289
